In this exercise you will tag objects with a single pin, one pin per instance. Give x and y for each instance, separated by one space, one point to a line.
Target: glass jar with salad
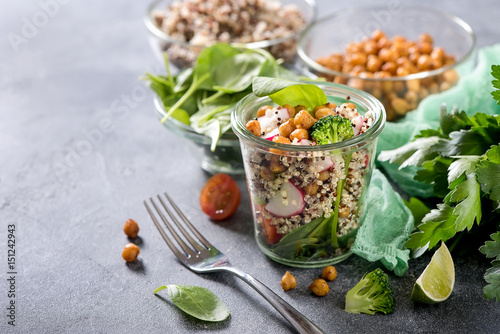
308 150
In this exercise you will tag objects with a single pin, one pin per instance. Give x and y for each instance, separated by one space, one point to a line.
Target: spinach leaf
208 91
236 74
199 302
282 91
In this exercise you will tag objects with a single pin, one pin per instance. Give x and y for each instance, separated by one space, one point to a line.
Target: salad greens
282 91
199 302
202 96
462 161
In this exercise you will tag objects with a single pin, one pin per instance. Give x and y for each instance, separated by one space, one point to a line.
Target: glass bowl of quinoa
182 28
399 53
308 172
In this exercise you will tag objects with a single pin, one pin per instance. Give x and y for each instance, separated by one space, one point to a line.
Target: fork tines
196 247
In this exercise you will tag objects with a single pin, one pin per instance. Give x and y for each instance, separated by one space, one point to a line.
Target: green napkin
387 224
471 94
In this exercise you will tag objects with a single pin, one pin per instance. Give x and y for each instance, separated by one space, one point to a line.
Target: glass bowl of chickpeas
399 54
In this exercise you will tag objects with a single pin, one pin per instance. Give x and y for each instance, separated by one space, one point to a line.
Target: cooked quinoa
205 22
268 171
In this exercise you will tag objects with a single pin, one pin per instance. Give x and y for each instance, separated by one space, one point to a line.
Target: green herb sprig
462 161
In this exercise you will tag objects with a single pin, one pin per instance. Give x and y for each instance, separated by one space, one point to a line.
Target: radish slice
321 165
306 142
272 134
269 121
358 123
288 201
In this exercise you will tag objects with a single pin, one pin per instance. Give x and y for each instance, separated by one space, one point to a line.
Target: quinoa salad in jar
308 186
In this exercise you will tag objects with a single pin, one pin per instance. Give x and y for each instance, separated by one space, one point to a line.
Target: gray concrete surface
81 148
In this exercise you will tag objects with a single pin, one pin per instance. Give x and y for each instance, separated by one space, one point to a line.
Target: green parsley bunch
462 162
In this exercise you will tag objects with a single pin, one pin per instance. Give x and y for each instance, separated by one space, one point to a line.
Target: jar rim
369 101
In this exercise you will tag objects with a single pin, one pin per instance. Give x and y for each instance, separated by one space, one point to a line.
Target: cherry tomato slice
220 197
269 232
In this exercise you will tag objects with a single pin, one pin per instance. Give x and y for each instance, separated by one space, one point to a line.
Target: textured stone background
75 77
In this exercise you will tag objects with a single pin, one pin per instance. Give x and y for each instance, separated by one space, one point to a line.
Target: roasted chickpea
424 62
131 228
348 105
299 134
356 58
304 120
331 105
451 76
425 38
275 165
319 287
425 47
311 188
254 127
378 34
400 105
390 67
288 281
329 273
130 252
344 212
370 47
287 128
262 110
320 113
281 140
324 175
373 63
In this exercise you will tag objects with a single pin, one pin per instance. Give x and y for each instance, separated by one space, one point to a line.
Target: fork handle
302 324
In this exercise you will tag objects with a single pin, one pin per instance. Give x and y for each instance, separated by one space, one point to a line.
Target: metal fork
202 257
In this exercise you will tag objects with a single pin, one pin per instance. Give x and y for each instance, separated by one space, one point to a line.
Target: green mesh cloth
388 222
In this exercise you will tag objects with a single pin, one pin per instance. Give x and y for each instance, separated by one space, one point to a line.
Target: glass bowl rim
420 75
227 139
151 26
368 136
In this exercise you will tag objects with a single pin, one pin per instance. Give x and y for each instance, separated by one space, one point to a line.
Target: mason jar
308 201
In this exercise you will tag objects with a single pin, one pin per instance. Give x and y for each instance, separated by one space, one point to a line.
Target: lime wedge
436 283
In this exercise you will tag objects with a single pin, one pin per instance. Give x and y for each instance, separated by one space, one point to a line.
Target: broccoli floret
332 129
372 294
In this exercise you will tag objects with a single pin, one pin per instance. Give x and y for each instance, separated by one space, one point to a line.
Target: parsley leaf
435 172
492 277
438 225
413 153
454 121
488 173
468 194
491 249
495 71
463 165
